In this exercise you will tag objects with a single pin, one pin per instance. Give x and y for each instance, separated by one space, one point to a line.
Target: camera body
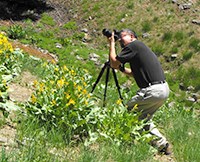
108 33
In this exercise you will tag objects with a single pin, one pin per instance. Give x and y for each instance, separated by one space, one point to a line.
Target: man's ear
132 36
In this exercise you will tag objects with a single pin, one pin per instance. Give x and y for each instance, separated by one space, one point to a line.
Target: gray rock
196 22
185 6
145 35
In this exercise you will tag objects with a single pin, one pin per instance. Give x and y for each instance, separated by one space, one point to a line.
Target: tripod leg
99 77
106 84
117 85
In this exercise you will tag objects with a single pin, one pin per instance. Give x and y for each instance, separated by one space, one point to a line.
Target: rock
174 1
172 104
190 88
182 87
84 30
174 56
123 20
94 57
145 35
185 6
191 99
196 22
196 96
79 58
58 45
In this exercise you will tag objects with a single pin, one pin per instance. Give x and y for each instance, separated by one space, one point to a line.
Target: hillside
67 35
170 28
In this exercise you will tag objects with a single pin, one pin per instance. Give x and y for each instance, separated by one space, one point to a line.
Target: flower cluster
4 44
63 95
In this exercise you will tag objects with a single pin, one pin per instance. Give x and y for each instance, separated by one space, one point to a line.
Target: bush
187 55
62 101
195 43
146 26
70 25
16 32
167 36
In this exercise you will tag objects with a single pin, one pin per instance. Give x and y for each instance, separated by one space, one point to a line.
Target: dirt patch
21 91
34 51
7 137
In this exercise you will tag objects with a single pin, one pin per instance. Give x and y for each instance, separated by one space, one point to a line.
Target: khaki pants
148 101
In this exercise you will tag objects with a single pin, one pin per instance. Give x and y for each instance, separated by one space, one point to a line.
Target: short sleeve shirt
143 62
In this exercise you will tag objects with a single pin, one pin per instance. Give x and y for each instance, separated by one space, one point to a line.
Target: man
149 76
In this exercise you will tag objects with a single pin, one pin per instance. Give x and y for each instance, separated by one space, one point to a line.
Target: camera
108 33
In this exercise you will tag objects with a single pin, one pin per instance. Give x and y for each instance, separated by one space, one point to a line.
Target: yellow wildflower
41 87
85 84
79 88
71 102
33 98
67 95
86 102
84 91
88 96
56 69
60 83
119 102
53 61
135 107
53 102
65 68
35 83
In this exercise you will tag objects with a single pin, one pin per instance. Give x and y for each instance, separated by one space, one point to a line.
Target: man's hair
129 31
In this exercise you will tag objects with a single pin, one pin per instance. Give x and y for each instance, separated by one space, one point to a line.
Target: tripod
107 65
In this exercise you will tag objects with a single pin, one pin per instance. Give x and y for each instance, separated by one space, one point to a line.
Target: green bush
187 55
179 35
62 100
70 25
189 77
195 44
16 32
146 26
167 36
48 20
158 49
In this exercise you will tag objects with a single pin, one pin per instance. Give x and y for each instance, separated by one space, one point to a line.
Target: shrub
167 36
16 32
62 100
146 26
70 25
158 49
195 43
187 55
48 20
179 35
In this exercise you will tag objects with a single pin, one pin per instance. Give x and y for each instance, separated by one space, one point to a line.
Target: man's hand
114 63
112 39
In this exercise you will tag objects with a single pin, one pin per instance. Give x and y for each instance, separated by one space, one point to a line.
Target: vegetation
63 121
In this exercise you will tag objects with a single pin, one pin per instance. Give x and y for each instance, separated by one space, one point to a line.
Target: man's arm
128 72
114 63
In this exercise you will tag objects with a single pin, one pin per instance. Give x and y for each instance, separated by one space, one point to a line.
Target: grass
177 122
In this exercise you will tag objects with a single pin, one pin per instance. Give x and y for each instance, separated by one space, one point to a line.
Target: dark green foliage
195 44
167 36
16 32
187 55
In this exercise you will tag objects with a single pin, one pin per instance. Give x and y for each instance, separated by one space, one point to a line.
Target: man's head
127 36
